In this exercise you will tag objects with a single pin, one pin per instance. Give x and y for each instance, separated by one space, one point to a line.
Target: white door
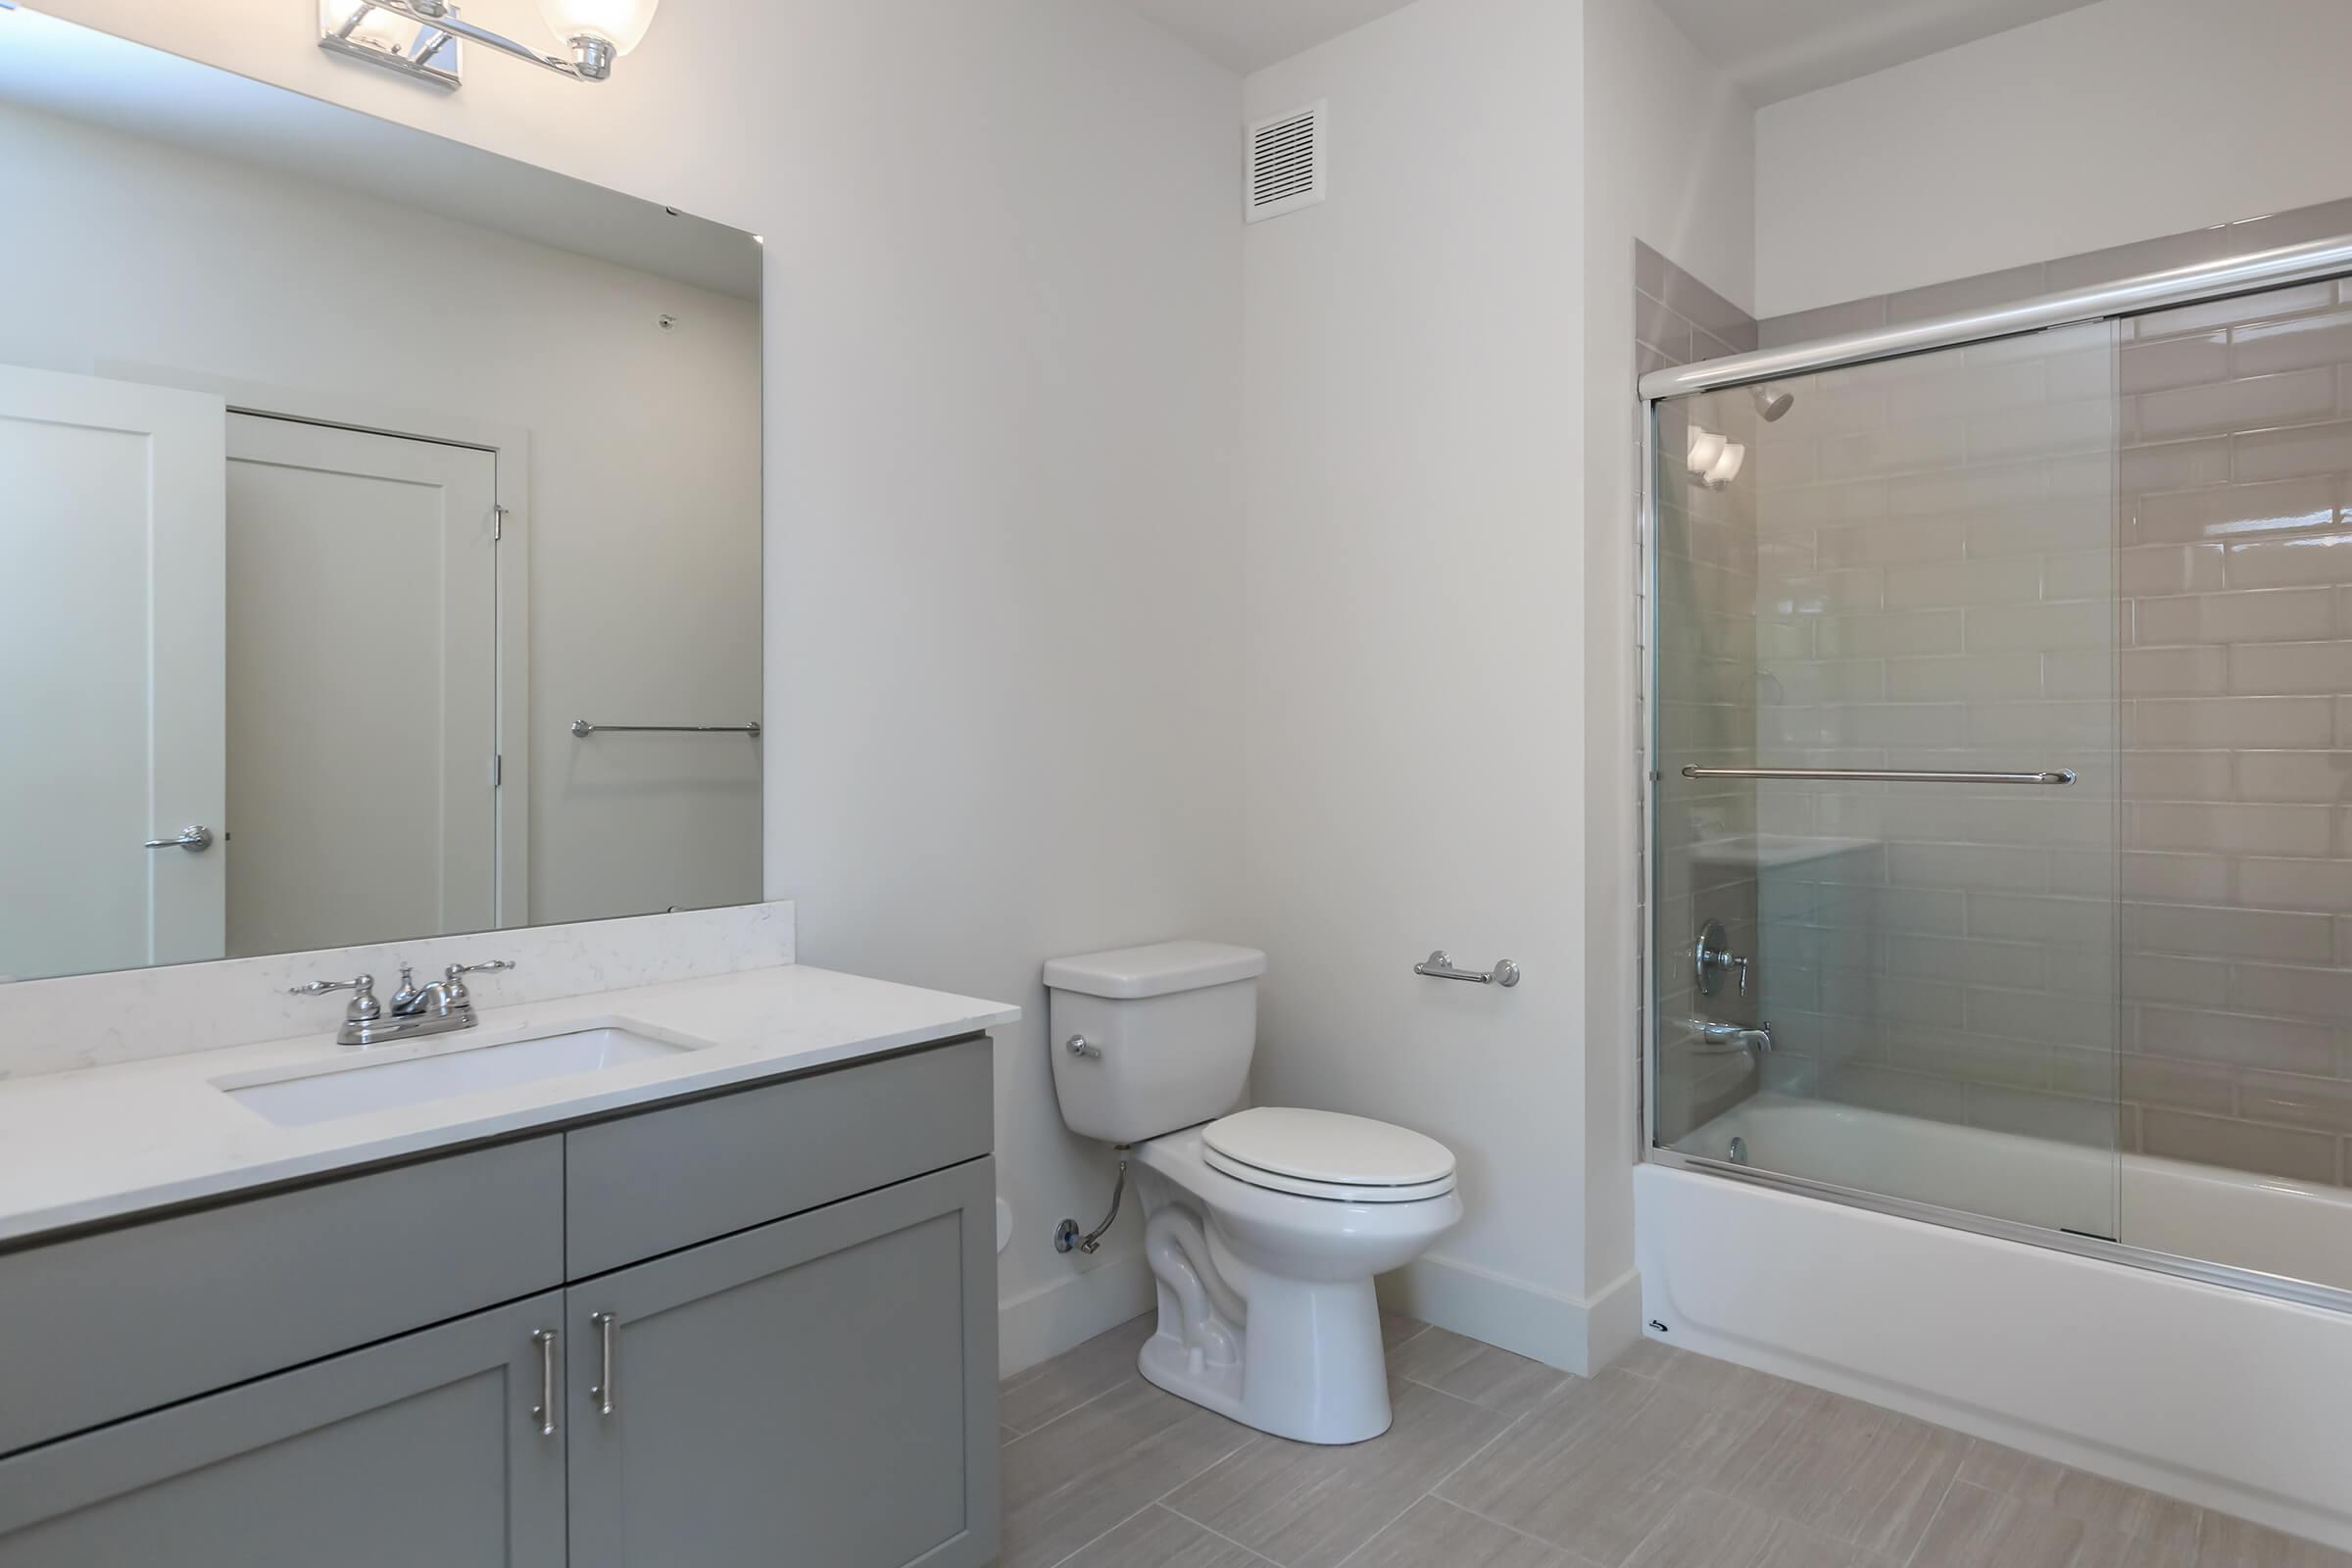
111 679
362 686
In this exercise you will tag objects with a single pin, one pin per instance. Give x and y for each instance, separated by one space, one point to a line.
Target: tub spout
1731 1034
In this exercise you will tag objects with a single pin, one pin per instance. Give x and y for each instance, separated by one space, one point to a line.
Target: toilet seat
1323 1154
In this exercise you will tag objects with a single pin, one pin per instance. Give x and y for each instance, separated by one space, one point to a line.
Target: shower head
1770 403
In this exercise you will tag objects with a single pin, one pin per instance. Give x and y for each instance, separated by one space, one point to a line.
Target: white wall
645 551
1417 661
1673 166
2119 122
1003 621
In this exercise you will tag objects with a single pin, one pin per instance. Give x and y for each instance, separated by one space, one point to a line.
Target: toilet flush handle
1080 1045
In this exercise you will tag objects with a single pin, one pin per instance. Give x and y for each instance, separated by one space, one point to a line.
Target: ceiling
1774 49
60 69
1249 34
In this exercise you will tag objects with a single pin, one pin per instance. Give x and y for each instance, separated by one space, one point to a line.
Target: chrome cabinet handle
544 1412
194 840
602 1391
1438 965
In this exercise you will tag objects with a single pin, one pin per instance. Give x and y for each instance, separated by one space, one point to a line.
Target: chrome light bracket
417 49
420 39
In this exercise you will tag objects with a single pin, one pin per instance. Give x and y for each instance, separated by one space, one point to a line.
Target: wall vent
1283 164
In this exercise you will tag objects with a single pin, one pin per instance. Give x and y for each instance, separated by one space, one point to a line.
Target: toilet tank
1167 1031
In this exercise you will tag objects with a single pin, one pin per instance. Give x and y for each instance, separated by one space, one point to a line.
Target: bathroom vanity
733 1303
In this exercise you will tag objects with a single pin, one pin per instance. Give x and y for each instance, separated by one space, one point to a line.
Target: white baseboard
1042 1323
1575 1335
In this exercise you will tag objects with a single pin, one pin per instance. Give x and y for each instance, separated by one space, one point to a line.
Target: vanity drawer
121 1321
651 1184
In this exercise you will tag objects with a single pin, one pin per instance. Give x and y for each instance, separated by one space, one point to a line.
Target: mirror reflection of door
295 625
111 567
362 686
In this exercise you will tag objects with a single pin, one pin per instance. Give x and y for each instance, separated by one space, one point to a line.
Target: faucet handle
363 1007
453 980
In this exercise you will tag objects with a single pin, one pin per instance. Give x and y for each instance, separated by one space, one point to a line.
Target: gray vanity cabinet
751 1328
814 1391
420 1450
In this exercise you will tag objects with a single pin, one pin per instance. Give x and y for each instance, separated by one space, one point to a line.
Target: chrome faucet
430 1009
1758 1039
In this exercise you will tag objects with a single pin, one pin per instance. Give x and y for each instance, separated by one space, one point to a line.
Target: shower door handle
1876 776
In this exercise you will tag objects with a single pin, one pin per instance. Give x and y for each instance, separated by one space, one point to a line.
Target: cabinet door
421 1449
817 1391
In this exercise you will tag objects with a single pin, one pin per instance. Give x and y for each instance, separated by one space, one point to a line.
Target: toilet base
1266 1311
1312 1368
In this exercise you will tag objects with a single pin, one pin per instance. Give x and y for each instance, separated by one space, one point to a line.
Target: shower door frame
2249 274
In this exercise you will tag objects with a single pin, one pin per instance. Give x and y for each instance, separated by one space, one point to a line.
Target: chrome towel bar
583 729
1873 776
1438 965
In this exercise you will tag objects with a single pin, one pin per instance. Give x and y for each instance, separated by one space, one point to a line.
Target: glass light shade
619 23
384 30
1707 448
1726 467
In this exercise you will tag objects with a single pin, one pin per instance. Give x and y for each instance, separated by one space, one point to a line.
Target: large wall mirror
379 528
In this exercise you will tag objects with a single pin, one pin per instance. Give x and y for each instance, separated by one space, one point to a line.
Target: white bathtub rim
2275 1286
2142 1466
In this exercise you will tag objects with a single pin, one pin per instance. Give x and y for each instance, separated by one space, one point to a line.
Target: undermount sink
354 1091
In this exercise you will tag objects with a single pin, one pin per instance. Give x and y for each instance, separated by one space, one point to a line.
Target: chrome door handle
602 1391
544 1412
194 840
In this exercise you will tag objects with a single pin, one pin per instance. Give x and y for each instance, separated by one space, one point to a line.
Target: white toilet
1263 1228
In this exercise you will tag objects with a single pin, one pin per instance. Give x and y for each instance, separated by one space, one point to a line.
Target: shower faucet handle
1713 956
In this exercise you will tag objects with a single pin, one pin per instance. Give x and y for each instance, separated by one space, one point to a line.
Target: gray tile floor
1665 1460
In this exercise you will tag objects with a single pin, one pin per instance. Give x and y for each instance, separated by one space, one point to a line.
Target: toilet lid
1325 1148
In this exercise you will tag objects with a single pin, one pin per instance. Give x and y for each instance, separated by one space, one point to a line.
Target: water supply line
1065 1234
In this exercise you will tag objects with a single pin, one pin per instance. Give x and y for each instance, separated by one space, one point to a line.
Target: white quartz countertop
107 1142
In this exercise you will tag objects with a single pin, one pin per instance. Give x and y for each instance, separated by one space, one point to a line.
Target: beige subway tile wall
2230 625
1937 590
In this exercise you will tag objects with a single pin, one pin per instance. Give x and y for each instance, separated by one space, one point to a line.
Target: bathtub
2113 1358
2267 1225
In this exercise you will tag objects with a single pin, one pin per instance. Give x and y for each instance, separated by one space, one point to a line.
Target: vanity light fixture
420 38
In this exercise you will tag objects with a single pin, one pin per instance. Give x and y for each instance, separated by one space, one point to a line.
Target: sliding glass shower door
1884 715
